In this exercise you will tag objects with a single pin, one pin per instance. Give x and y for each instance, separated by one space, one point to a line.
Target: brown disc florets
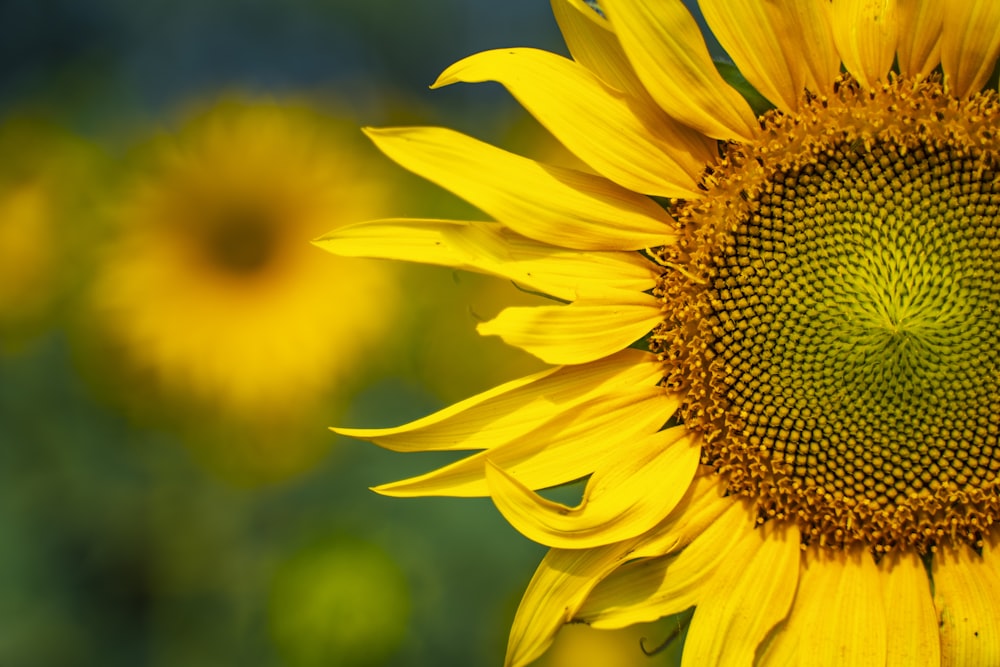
834 317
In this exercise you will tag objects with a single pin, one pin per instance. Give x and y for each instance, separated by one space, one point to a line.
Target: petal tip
446 78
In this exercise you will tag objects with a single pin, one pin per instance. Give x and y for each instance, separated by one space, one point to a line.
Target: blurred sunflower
212 295
805 448
47 181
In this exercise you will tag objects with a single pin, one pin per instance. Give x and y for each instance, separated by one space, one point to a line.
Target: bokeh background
172 348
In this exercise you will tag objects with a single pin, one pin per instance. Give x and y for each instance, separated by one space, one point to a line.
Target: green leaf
732 76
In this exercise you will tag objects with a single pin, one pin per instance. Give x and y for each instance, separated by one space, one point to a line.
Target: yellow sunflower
803 445
212 294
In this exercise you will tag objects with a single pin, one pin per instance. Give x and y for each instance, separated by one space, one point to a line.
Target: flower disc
841 302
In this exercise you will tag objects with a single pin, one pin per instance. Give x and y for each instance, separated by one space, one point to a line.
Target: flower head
211 292
803 448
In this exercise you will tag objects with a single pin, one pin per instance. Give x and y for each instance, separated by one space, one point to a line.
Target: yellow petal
561 583
637 487
639 151
970 42
865 32
919 48
991 552
910 616
645 590
408 240
703 503
577 333
811 37
967 598
488 247
566 576
593 44
752 593
755 34
666 49
838 617
505 413
567 447
558 206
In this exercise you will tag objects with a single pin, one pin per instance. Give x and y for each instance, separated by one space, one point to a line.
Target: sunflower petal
910 616
568 447
919 48
652 154
838 617
559 586
627 496
593 43
754 34
666 48
570 275
967 598
701 505
753 592
558 206
645 590
567 576
577 333
403 239
970 43
811 38
866 33
505 413
488 247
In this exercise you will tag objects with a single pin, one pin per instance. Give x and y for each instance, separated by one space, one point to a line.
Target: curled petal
504 414
568 446
566 577
627 496
645 590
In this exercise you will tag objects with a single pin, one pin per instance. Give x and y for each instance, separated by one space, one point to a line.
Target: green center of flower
840 336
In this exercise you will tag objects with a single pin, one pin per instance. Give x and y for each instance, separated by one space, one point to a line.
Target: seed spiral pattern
839 326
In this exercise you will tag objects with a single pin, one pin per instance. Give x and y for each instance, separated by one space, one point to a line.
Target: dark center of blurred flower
839 339
241 241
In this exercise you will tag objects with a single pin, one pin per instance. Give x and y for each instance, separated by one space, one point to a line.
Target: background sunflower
209 297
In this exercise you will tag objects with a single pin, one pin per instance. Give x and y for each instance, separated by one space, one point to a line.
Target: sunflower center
240 241
838 335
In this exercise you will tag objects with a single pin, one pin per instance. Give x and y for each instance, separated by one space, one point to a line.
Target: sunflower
776 353
211 295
